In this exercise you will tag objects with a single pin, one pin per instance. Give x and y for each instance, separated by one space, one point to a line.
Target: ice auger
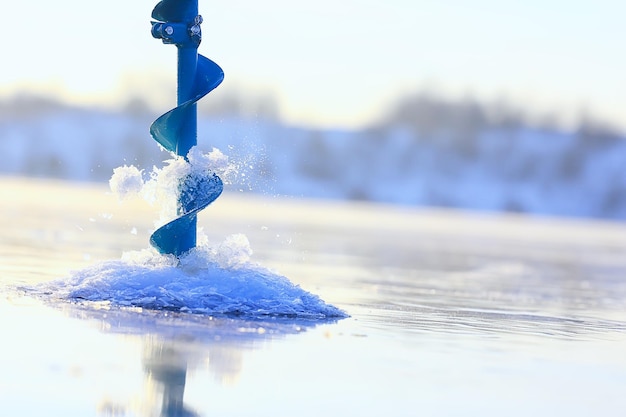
177 22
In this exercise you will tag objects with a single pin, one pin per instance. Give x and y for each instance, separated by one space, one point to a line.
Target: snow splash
163 185
216 280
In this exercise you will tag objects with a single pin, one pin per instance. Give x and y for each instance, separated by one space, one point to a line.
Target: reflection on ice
169 347
168 367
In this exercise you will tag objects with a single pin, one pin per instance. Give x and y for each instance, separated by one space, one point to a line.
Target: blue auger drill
178 23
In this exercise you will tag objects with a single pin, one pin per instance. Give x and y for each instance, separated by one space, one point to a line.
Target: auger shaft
187 64
178 23
188 135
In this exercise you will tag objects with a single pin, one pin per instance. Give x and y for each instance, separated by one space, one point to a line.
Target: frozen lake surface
451 314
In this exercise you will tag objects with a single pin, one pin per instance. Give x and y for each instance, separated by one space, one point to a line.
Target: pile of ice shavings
210 279
218 280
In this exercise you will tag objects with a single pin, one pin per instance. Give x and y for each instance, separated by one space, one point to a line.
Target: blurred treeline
423 150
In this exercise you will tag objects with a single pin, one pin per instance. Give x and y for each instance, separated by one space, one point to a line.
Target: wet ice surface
451 314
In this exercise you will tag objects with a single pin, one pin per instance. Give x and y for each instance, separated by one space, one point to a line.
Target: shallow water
451 314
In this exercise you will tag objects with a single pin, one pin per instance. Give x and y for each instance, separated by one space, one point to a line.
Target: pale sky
332 63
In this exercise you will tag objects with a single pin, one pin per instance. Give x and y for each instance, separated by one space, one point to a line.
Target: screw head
195 30
169 30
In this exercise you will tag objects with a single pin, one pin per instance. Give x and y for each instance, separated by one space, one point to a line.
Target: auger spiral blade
178 23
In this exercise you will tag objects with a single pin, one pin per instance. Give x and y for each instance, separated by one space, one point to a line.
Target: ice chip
126 181
234 252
